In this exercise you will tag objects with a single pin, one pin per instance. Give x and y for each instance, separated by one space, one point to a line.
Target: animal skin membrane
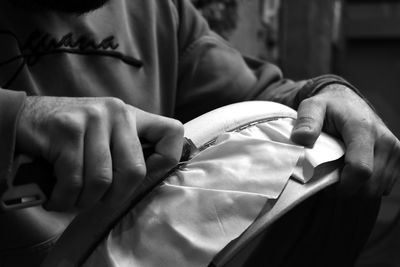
213 198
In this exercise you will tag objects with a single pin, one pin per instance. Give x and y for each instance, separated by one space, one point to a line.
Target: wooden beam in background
306 36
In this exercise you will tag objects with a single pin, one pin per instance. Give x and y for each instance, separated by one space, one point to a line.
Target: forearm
293 93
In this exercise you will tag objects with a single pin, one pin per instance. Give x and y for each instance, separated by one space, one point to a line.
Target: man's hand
372 160
93 144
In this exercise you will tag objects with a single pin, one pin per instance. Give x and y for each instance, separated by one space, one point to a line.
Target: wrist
11 103
26 128
324 83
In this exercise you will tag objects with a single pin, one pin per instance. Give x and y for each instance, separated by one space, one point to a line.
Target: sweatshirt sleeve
11 103
212 73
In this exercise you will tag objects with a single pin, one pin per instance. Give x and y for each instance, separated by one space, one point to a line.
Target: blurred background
357 39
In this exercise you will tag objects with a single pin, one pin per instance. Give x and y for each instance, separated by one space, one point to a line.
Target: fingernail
305 128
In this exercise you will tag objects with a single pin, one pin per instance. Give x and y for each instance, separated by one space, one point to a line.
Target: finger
359 159
389 152
310 119
98 164
392 177
129 167
68 168
167 135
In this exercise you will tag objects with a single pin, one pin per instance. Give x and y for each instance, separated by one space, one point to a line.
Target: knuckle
115 104
69 124
311 101
118 109
361 169
367 124
99 171
130 177
100 181
95 112
176 127
137 170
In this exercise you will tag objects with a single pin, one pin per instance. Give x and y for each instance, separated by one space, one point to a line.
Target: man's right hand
93 144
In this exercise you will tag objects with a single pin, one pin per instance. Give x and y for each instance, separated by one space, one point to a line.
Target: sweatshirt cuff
313 86
11 104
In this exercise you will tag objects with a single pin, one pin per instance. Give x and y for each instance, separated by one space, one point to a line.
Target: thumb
310 119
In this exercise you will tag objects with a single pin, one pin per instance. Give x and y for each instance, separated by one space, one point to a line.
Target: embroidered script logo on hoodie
40 44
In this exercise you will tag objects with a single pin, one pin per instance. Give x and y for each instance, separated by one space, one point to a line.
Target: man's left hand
372 159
